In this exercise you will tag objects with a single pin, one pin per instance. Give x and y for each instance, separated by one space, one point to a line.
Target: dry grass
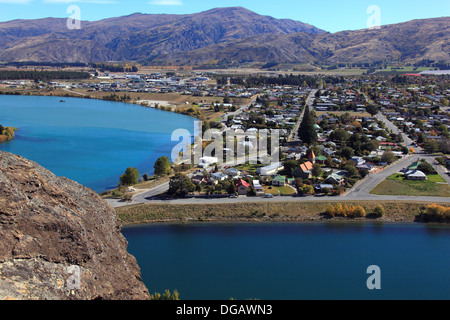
271 211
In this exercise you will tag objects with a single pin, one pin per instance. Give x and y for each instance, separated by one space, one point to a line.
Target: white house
270 170
258 188
416 175
207 161
219 176
232 172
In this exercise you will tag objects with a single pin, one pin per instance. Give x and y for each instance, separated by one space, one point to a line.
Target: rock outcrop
59 240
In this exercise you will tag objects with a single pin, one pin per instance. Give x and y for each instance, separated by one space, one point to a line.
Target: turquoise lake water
89 141
293 261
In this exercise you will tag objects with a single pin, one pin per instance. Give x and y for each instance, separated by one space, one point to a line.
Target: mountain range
223 34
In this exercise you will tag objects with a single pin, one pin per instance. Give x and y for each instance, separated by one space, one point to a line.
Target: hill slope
408 42
135 37
231 34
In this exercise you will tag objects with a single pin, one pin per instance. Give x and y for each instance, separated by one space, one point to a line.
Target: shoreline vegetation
361 211
7 133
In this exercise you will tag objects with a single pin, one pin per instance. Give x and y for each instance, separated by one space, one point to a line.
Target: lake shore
396 211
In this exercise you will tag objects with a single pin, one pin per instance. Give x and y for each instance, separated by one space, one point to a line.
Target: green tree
373 110
130 177
388 157
162 166
431 146
231 188
426 168
347 153
290 166
306 132
316 170
304 189
339 135
351 171
180 185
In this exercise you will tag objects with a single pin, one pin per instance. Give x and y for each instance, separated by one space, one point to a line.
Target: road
309 102
359 192
407 141
238 111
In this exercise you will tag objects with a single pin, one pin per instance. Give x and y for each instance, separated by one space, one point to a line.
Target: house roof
415 173
414 166
241 182
306 166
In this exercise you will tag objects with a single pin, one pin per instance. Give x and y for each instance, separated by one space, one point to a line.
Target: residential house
366 166
337 177
219 176
279 181
415 175
199 179
321 159
414 166
319 188
232 172
207 161
242 187
258 188
306 170
357 161
270 170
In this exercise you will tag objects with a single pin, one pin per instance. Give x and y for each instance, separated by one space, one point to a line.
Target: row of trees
114 67
292 80
44 76
19 64
162 167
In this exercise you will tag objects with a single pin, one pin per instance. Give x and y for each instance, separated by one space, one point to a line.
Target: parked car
268 195
233 196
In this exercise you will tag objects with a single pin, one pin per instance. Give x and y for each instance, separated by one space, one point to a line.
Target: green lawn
250 168
396 185
284 191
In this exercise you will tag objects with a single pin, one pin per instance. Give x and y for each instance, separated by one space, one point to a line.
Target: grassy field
398 186
259 211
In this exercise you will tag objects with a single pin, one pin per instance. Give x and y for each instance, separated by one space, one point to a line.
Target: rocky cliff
59 240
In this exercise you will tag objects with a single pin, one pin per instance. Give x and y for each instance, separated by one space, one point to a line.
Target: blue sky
329 15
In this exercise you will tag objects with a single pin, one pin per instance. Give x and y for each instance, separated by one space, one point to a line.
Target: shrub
166 296
435 212
378 212
340 210
330 212
358 212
